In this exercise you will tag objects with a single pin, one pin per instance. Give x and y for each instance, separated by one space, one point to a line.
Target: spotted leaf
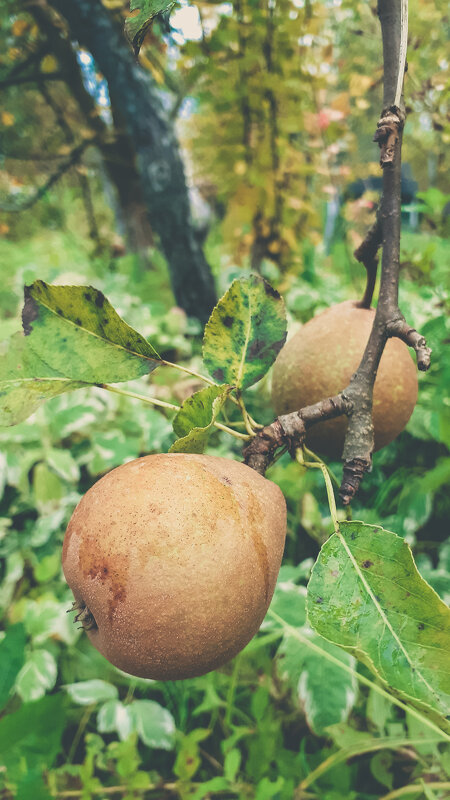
77 332
245 332
366 595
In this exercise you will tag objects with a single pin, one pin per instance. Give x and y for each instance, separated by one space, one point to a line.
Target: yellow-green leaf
137 25
26 381
245 332
77 332
196 417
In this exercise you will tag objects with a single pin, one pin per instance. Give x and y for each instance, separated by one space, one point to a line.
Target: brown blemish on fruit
118 595
103 569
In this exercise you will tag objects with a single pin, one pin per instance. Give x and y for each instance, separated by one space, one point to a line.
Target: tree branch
38 77
356 400
73 159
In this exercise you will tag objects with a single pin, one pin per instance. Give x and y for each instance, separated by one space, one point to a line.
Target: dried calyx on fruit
319 361
173 560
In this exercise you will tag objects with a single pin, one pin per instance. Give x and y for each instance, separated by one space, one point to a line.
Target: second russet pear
319 361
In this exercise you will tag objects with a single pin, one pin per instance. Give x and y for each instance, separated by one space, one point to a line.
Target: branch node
354 471
261 449
387 134
400 329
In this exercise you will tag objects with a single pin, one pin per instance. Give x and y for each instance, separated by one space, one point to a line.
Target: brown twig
36 78
356 399
73 159
367 254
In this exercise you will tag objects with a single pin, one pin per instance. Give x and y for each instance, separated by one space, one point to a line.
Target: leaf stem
150 400
189 372
413 788
299 455
246 416
380 743
315 457
237 435
171 406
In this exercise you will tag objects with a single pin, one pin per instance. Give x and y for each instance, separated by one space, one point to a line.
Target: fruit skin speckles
175 557
318 362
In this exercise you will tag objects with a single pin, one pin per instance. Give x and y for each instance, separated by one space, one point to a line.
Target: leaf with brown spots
77 332
142 15
26 381
244 333
376 605
194 421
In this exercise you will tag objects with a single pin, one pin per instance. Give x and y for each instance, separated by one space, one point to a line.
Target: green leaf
26 381
194 421
46 618
47 487
136 26
289 602
366 595
33 733
188 758
95 691
64 464
207 788
12 657
77 332
32 787
244 333
231 764
47 567
114 716
37 676
309 673
154 724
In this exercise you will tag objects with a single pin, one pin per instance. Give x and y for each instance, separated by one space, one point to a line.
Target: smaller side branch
367 254
38 77
290 430
73 159
400 329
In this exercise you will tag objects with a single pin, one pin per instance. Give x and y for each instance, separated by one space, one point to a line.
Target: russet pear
173 560
319 361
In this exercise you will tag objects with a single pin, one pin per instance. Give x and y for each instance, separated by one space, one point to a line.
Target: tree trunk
135 97
118 157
